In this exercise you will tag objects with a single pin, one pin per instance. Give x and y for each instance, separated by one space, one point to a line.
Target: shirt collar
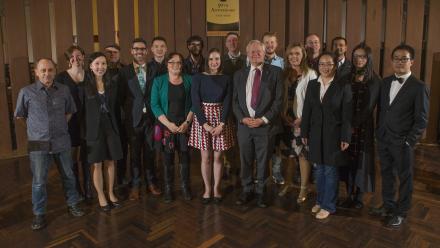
320 80
136 66
259 67
40 85
405 76
341 62
234 56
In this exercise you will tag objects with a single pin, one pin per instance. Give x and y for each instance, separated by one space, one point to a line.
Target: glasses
360 56
401 60
174 62
326 64
141 49
195 44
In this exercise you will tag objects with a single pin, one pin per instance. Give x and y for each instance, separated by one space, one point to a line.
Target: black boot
168 174
184 177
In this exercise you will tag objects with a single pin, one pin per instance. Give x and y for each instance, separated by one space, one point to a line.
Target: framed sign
222 16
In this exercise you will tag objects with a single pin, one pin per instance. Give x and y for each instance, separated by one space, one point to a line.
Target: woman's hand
304 140
183 128
172 127
217 130
297 123
344 146
207 127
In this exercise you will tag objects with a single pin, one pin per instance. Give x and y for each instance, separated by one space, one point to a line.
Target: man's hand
256 123
344 146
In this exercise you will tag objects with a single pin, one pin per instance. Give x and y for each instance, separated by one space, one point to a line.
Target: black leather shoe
205 200
381 211
244 198
39 222
395 221
186 193
116 204
105 208
75 211
261 203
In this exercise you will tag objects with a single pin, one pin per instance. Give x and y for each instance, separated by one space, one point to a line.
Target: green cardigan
159 95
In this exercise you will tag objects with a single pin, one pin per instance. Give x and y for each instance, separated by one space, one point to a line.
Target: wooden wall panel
354 24
262 20
198 22
146 19
166 23
84 25
40 28
296 21
393 35
63 31
126 29
414 31
15 38
433 39
316 18
5 131
434 100
278 23
246 23
106 23
374 29
334 21
183 24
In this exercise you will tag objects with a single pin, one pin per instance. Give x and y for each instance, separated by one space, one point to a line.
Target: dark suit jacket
92 106
327 124
230 68
407 116
132 97
344 69
270 99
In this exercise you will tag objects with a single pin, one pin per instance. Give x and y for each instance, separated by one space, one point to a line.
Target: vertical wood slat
84 25
316 18
63 31
106 23
434 100
373 30
393 35
414 31
5 131
146 19
334 21
246 23
183 24
296 21
198 21
40 30
278 23
126 29
433 38
166 23
262 20
15 38
354 24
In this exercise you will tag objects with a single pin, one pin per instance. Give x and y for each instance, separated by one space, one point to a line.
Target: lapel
242 89
387 87
134 82
264 81
329 93
401 91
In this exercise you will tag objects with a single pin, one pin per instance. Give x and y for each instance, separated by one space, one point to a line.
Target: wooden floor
152 223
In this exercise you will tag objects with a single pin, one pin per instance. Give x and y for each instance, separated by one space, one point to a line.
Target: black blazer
230 68
407 116
132 97
327 124
344 70
270 99
92 106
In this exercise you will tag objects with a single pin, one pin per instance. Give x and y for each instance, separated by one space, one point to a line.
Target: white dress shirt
396 86
301 89
323 89
249 85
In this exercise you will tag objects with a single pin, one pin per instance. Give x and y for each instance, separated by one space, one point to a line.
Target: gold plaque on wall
222 16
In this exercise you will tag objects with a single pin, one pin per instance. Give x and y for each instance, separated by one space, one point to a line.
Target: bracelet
188 122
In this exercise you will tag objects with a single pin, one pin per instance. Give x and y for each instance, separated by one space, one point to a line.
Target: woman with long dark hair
326 128
102 134
211 94
365 85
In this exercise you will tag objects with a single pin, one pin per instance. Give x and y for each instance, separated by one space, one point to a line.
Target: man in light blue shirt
270 41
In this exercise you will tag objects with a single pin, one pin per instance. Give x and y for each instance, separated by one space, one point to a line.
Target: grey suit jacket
270 98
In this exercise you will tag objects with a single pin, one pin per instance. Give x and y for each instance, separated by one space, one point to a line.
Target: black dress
77 91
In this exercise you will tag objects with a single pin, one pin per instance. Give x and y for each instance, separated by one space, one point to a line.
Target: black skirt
107 146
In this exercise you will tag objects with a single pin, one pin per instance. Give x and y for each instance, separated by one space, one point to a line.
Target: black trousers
396 161
122 163
258 147
142 154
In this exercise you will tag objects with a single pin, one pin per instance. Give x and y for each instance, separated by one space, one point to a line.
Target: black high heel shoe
205 200
116 204
218 199
105 208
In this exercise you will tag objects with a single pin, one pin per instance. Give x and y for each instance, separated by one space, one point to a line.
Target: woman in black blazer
326 128
102 134
360 175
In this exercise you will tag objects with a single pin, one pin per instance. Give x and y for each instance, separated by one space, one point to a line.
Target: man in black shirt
194 63
339 46
159 49
233 60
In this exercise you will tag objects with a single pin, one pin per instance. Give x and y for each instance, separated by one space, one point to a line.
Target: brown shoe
154 190
134 194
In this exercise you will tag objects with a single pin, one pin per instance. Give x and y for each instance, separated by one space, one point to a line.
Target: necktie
400 80
141 78
256 88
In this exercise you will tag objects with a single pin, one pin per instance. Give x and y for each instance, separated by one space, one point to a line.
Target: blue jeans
40 163
327 186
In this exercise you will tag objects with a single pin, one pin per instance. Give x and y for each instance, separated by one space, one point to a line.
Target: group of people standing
316 108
